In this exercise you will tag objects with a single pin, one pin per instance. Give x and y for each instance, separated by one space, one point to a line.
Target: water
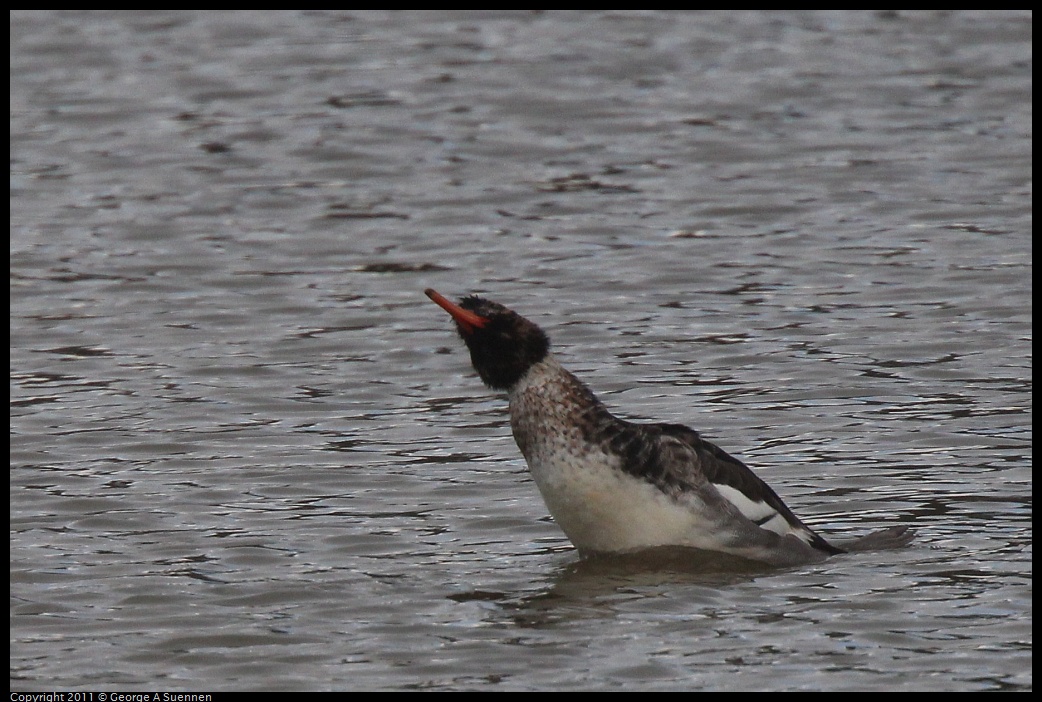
248 453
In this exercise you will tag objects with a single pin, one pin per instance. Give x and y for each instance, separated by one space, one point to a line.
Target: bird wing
678 460
740 486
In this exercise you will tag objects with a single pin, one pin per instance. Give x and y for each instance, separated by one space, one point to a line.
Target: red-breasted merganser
615 486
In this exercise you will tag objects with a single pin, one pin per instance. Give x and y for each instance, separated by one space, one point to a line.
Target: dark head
503 344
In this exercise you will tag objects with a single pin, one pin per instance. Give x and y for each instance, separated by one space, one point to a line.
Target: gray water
248 453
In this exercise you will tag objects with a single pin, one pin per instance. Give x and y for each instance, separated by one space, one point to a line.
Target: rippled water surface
248 453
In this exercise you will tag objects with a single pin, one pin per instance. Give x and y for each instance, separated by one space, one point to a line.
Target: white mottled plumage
603 508
617 486
597 505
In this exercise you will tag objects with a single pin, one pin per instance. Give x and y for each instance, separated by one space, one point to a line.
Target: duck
615 486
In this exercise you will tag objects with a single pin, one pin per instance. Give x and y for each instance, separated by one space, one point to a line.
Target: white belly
600 508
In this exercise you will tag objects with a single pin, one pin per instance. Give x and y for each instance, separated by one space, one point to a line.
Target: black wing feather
642 447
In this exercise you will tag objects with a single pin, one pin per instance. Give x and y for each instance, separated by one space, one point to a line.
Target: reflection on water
247 454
